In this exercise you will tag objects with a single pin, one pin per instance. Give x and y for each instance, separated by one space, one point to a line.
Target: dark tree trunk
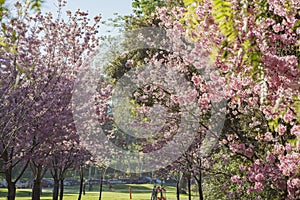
54 174
183 183
101 185
37 188
8 172
11 186
283 194
55 189
177 190
189 186
61 193
11 194
81 183
199 181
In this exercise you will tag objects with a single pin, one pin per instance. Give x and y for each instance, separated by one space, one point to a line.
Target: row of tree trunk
58 188
185 183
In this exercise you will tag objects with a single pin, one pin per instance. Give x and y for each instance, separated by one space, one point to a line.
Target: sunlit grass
118 192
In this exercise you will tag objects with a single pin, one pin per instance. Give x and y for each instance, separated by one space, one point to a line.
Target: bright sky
106 8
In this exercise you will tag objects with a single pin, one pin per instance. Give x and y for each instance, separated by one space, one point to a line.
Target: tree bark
55 189
54 174
101 184
37 188
183 183
11 194
81 183
200 189
177 190
61 193
199 182
8 172
11 186
189 186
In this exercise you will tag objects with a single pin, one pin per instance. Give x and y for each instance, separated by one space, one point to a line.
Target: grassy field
118 192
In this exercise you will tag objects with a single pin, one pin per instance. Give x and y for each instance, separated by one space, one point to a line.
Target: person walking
154 193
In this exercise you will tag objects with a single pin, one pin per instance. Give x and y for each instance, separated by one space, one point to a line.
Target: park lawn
118 192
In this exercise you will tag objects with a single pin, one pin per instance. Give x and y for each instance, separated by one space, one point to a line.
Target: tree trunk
11 186
200 189
189 186
199 181
183 183
11 194
54 174
8 172
81 183
37 188
61 193
101 184
55 189
177 190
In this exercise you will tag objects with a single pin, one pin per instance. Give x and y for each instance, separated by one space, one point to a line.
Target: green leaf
293 141
188 2
223 15
2 43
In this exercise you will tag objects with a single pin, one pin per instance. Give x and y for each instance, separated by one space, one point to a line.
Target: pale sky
106 8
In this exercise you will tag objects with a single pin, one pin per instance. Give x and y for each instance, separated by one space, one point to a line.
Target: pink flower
224 68
249 152
294 183
289 116
268 136
235 178
296 130
243 168
196 80
129 63
214 76
192 95
252 178
258 187
223 142
204 101
288 147
278 149
269 22
277 28
289 164
259 177
270 158
241 146
249 190
281 129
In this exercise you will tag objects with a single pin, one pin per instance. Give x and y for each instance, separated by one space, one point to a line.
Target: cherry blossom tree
39 59
254 46
254 49
68 155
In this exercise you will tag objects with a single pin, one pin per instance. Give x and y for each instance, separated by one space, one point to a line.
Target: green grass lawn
118 192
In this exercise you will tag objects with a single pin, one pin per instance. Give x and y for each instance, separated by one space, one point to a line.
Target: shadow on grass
26 192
